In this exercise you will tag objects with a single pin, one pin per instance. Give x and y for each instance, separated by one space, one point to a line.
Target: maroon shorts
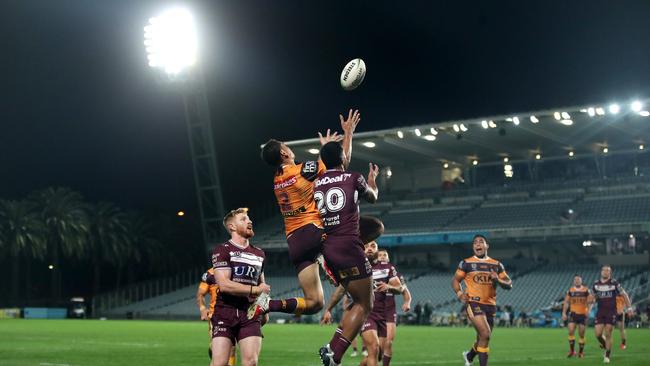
234 324
375 322
580 319
345 258
305 245
390 315
605 318
620 317
476 309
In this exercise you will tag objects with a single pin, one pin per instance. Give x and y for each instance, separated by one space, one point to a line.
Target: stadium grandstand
557 192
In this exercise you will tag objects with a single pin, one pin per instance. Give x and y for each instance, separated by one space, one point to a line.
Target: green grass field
149 343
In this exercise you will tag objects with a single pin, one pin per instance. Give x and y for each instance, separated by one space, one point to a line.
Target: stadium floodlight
566 122
456 128
571 153
400 134
418 133
515 120
534 119
566 115
180 213
605 150
538 156
434 132
492 124
50 267
591 111
463 127
314 151
445 165
369 144
506 159
430 138
614 108
484 124
641 147
636 106
171 41
644 113
389 172
587 243
475 162
600 111
557 116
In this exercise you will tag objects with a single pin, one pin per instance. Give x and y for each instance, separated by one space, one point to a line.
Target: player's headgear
230 215
271 152
332 155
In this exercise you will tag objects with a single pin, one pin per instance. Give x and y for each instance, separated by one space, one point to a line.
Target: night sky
80 107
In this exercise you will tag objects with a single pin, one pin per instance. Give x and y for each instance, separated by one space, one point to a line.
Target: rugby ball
353 74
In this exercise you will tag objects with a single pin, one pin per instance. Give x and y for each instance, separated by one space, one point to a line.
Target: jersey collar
482 259
237 245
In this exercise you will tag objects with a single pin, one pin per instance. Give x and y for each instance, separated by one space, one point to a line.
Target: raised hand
373 172
329 137
350 124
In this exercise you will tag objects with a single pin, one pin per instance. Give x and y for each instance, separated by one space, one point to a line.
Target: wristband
250 292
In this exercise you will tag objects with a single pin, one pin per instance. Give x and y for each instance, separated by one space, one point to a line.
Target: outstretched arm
348 126
372 193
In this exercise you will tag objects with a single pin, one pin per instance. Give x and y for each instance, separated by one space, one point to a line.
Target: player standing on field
604 292
576 303
481 275
239 271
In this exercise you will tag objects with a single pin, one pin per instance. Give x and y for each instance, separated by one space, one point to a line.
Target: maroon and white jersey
337 194
246 266
381 272
605 293
390 297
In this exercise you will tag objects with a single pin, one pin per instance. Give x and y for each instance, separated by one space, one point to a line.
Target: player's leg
370 228
581 332
221 347
355 349
608 340
572 339
371 341
598 330
249 350
352 321
483 329
621 327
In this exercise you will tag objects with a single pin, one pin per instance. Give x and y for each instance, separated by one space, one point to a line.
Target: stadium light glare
475 162
605 150
566 122
492 124
389 172
557 116
571 153
456 128
644 113
641 147
50 267
180 213
614 108
566 115
591 111
445 165
430 138
587 243
484 124
434 132
171 41
600 111
636 106
314 151
534 119
515 120
418 132
400 134
463 127
505 160
538 157
369 144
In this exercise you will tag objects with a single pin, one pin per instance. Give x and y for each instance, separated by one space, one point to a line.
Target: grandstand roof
585 130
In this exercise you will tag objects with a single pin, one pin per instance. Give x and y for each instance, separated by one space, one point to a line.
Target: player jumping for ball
576 303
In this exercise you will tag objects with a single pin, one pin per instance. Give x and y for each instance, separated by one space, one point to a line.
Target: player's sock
354 349
582 345
472 353
608 352
339 345
482 355
572 343
601 340
232 361
623 341
295 305
386 360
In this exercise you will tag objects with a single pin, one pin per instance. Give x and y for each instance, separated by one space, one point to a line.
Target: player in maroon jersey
337 194
604 292
239 272
386 343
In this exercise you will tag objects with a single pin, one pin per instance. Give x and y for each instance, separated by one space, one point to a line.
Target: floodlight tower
172 47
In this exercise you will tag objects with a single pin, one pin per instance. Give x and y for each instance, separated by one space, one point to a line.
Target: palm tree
63 212
23 233
109 239
146 247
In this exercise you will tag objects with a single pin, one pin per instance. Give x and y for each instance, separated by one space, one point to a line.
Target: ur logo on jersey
247 271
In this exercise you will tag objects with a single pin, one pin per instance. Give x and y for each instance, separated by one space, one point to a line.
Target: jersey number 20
332 201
